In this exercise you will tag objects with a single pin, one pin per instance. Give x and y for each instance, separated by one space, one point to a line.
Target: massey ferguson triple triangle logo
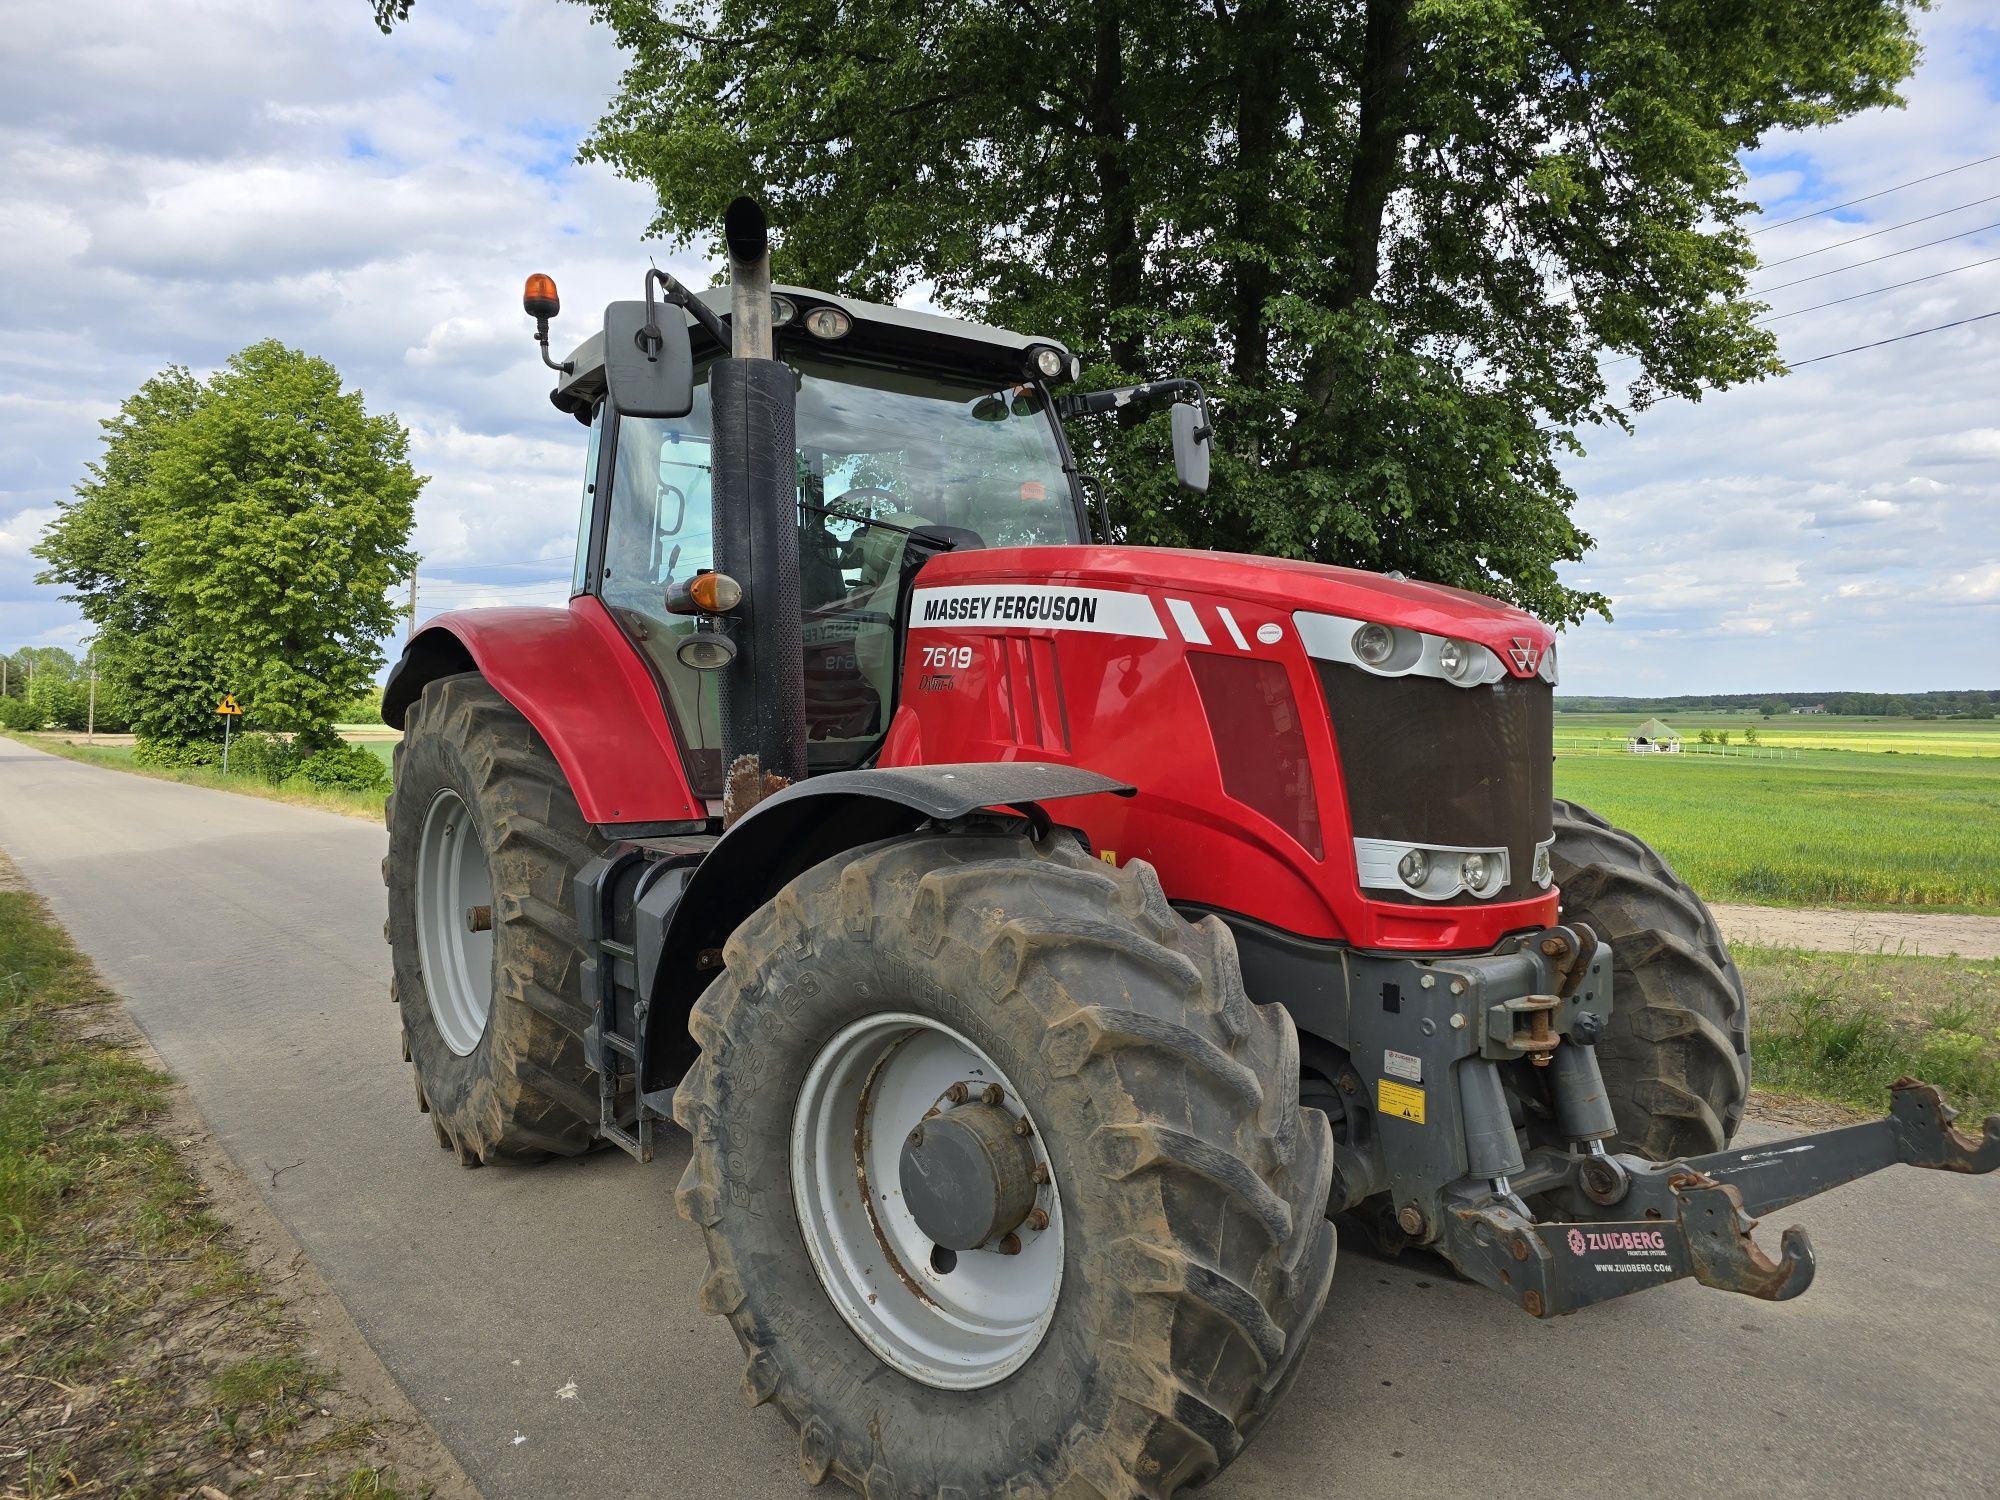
1524 654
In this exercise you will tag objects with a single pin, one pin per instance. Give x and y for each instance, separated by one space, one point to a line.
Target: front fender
583 686
787 834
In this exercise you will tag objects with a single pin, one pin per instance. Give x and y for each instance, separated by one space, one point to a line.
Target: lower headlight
1474 870
706 650
1414 868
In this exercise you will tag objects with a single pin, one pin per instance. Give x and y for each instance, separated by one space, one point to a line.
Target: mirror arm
1090 403
672 291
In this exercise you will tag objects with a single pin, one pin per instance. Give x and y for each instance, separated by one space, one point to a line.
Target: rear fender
787 834
586 690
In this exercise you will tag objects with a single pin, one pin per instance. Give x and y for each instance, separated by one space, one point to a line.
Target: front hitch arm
1689 1218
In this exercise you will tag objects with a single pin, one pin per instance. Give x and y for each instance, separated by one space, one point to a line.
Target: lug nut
479 919
1022 1127
993 1093
1038 1219
1041 1171
917 1136
958 1093
1010 1244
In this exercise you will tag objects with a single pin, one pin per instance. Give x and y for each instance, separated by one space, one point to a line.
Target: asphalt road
247 937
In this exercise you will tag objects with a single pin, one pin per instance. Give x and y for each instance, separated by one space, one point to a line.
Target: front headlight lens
1373 643
706 651
1050 362
828 323
1544 865
1455 659
1473 870
1414 868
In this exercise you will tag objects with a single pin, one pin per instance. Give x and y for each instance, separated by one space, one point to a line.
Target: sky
179 181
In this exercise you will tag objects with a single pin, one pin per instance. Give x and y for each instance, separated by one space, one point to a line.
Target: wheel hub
931 1214
968 1176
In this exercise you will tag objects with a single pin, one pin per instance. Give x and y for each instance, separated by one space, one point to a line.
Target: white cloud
1808 532
182 182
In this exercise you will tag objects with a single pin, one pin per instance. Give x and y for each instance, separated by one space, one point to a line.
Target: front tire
1676 1059
482 817
1185 1182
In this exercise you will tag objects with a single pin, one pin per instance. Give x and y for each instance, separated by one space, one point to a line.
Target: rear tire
1191 1185
1676 1059
523 1091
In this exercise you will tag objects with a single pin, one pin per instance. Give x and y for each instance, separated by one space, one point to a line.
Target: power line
1897 339
1761 291
1868 197
1878 291
1877 233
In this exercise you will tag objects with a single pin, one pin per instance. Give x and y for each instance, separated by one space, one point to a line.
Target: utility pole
90 729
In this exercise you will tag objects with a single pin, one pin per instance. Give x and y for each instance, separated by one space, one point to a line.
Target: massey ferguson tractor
1039 939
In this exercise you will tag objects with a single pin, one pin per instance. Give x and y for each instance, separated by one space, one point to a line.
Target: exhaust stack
755 488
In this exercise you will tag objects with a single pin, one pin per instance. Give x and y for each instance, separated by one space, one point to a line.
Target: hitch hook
1722 1251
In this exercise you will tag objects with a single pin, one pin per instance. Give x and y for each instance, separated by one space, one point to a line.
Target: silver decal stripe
1229 624
1188 622
1034 606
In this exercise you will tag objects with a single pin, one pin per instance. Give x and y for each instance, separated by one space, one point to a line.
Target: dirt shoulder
1842 930
161 1334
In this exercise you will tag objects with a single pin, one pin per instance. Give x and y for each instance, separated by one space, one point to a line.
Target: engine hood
1275 582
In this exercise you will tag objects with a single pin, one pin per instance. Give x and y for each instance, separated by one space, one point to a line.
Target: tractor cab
915 434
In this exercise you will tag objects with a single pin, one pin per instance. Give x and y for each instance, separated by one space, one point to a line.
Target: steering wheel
870 490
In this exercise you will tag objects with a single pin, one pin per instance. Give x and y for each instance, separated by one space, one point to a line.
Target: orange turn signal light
539 299
705 594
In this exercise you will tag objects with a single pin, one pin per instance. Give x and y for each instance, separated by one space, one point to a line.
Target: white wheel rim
957 1328
457 962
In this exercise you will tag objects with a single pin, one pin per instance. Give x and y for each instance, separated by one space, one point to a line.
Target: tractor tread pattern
535 1095
1228 1257
1676 1060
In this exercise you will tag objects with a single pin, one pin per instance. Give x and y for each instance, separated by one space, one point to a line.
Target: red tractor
1040 940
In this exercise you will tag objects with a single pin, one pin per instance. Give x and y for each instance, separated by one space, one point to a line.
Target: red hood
1277 582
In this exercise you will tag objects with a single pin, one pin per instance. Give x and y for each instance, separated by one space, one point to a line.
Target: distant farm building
1816 708
1654 737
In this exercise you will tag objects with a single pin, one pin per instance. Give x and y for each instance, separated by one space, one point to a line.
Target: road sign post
229 711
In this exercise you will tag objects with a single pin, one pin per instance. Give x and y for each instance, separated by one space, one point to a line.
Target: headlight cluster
1398 651
1431 871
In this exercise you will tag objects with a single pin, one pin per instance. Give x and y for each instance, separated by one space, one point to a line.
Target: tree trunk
1385 76
1124 257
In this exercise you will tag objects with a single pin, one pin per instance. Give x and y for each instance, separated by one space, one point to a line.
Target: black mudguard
787 834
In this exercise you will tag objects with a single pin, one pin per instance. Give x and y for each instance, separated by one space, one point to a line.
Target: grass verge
1843 1026
119 758
140 1354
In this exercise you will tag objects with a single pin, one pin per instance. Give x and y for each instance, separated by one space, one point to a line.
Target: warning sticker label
1400 1100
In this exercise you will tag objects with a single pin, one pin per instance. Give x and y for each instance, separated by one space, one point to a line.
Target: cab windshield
880 451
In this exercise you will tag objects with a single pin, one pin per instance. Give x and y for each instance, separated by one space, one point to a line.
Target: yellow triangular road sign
228 705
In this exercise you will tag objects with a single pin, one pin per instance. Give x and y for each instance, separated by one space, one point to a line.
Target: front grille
1426 762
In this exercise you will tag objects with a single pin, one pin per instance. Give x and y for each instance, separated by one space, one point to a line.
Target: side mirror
1192 438
648 363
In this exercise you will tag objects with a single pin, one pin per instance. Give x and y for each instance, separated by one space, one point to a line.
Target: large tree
1396 237
243 536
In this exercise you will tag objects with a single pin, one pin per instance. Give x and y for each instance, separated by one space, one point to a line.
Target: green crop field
1856 812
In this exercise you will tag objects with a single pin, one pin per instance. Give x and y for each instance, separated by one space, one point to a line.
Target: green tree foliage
241 536
1394 237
